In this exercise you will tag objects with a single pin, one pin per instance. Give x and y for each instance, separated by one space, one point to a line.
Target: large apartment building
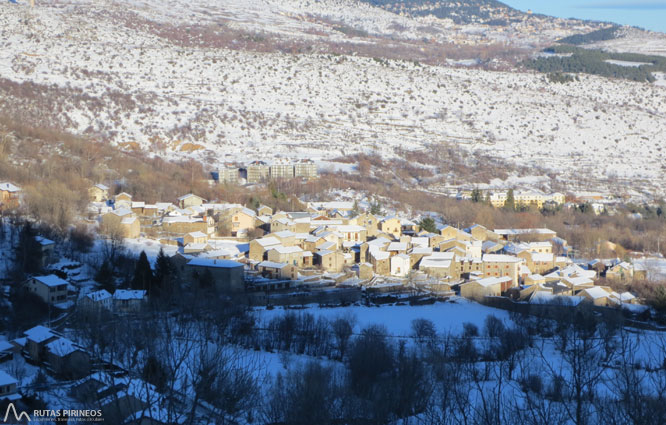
281 170
228 174
305 168
257 171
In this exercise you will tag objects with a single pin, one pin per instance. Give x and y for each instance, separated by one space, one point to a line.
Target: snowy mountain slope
255 79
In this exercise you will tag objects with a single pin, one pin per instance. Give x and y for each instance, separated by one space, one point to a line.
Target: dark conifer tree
143 274
164 280
104 277
28 254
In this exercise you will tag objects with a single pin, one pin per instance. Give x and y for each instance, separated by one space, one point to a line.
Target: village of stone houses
340 261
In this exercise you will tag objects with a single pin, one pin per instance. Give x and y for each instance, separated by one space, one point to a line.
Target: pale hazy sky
648 14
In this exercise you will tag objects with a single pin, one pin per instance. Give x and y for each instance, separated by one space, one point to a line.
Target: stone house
98 193
49 288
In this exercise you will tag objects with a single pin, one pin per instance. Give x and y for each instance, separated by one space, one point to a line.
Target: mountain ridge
263 80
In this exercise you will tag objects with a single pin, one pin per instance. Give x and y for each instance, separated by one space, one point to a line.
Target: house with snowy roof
260 247
51 288
450 232
364 271
463 248
125 399
391 226
526 235
623 298
286 237
196 248
128 300
7 351
98 193
264 210
538 262
597 295
243 220
329 260
369 221
183 224
621 272
313 242
400 265
47 249
409 227
466 267
275 270
577 284
8 387
190 200
330 206
482 234
122 220
137 207
96 301
286 254
36 340
67 359
486 287
352 233
499 265
195 237
227 276
122 200
282 224
438 264
10 196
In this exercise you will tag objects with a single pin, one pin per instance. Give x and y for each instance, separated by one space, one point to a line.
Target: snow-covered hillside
254 79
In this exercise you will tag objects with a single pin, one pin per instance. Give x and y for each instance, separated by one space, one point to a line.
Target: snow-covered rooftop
208 262
129 294
51 280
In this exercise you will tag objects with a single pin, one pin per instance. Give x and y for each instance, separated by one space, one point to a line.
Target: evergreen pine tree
376 208
104 277
143 275
428 224
510 201
477 196
355 209
28 253
165 272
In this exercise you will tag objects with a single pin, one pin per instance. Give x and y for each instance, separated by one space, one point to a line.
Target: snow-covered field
626 63
634 40
448 317
120 72
656 267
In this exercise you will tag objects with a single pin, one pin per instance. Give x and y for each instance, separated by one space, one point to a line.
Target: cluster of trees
533 371
56 169
428 224
184 351
461 12
580 368
22 257
575 60
591 37
561 78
